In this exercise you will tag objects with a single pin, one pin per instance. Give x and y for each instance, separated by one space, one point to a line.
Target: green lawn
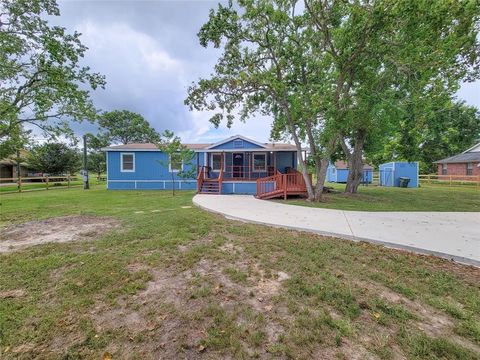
177 282
376 198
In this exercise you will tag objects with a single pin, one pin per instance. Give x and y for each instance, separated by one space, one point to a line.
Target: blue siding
147 166
341 175
230 145
390 173
151 174
286 159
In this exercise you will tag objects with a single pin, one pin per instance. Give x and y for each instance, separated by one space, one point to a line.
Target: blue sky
149 53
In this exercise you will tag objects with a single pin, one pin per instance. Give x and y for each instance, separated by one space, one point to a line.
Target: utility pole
86 184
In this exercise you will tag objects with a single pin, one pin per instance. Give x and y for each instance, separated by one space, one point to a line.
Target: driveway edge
459 259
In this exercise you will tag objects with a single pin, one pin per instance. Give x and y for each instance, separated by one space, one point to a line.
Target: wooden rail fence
36 183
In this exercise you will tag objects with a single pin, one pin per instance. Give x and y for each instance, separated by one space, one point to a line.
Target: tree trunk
321 176
355 164
308 183
173 183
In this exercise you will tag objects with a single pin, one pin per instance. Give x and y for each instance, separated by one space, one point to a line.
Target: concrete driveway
452 235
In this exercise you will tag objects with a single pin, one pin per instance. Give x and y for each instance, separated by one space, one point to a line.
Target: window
259 162
127 162
175 162
237 144
469 168
444 169
216 162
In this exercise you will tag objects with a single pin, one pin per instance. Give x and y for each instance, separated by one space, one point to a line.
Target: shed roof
340 164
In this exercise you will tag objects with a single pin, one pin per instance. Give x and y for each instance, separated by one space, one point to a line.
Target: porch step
210 187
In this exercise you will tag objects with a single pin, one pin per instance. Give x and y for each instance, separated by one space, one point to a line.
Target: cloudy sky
149 53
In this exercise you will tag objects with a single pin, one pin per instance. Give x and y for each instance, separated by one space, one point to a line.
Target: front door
237 168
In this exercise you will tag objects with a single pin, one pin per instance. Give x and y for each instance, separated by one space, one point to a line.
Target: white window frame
444 169
469 168
121 161
222 162
253 162
170 165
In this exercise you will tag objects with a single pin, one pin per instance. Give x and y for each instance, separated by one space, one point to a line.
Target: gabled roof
208 147
235 137
469 155
149 147
474 148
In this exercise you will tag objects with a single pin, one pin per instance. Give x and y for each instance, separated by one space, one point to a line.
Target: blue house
236 165
338 173
390 173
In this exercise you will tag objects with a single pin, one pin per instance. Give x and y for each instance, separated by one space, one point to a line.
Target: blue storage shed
390 173
338 173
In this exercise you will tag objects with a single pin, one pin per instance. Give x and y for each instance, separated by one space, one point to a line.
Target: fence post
47 182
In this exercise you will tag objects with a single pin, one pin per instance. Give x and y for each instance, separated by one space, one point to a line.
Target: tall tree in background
179 158
41 81
266 67
451 129
96 158
387 60
55 158
124 127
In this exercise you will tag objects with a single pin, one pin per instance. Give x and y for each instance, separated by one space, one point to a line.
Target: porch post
249 156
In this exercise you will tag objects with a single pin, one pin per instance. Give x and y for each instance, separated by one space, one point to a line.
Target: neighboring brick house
466 163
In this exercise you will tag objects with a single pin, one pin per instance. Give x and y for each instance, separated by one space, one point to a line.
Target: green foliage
179 157
124 127
447 131
55 159
96 162
329 73
41 81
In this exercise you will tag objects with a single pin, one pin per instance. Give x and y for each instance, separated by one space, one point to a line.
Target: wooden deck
275 186
281 185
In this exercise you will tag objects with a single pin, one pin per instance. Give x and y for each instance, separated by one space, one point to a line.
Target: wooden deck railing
282 184
200 178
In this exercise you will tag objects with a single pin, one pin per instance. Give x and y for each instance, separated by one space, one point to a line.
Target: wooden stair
210 187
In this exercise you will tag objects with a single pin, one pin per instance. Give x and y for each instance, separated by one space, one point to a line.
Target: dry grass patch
55 230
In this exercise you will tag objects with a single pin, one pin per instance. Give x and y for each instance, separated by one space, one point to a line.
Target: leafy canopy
124 127
55 158
41 81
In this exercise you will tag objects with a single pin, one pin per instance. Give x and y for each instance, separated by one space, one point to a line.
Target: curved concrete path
452 235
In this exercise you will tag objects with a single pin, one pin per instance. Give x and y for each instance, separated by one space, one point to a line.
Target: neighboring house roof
199 147
469 155
341 165
11 159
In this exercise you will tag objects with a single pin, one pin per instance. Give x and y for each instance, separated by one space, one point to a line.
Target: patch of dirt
55 230
12 293
432 322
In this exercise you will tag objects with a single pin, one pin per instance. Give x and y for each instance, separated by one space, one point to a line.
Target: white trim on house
204 150
222 161
121 162
474 148
235 137
253 161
